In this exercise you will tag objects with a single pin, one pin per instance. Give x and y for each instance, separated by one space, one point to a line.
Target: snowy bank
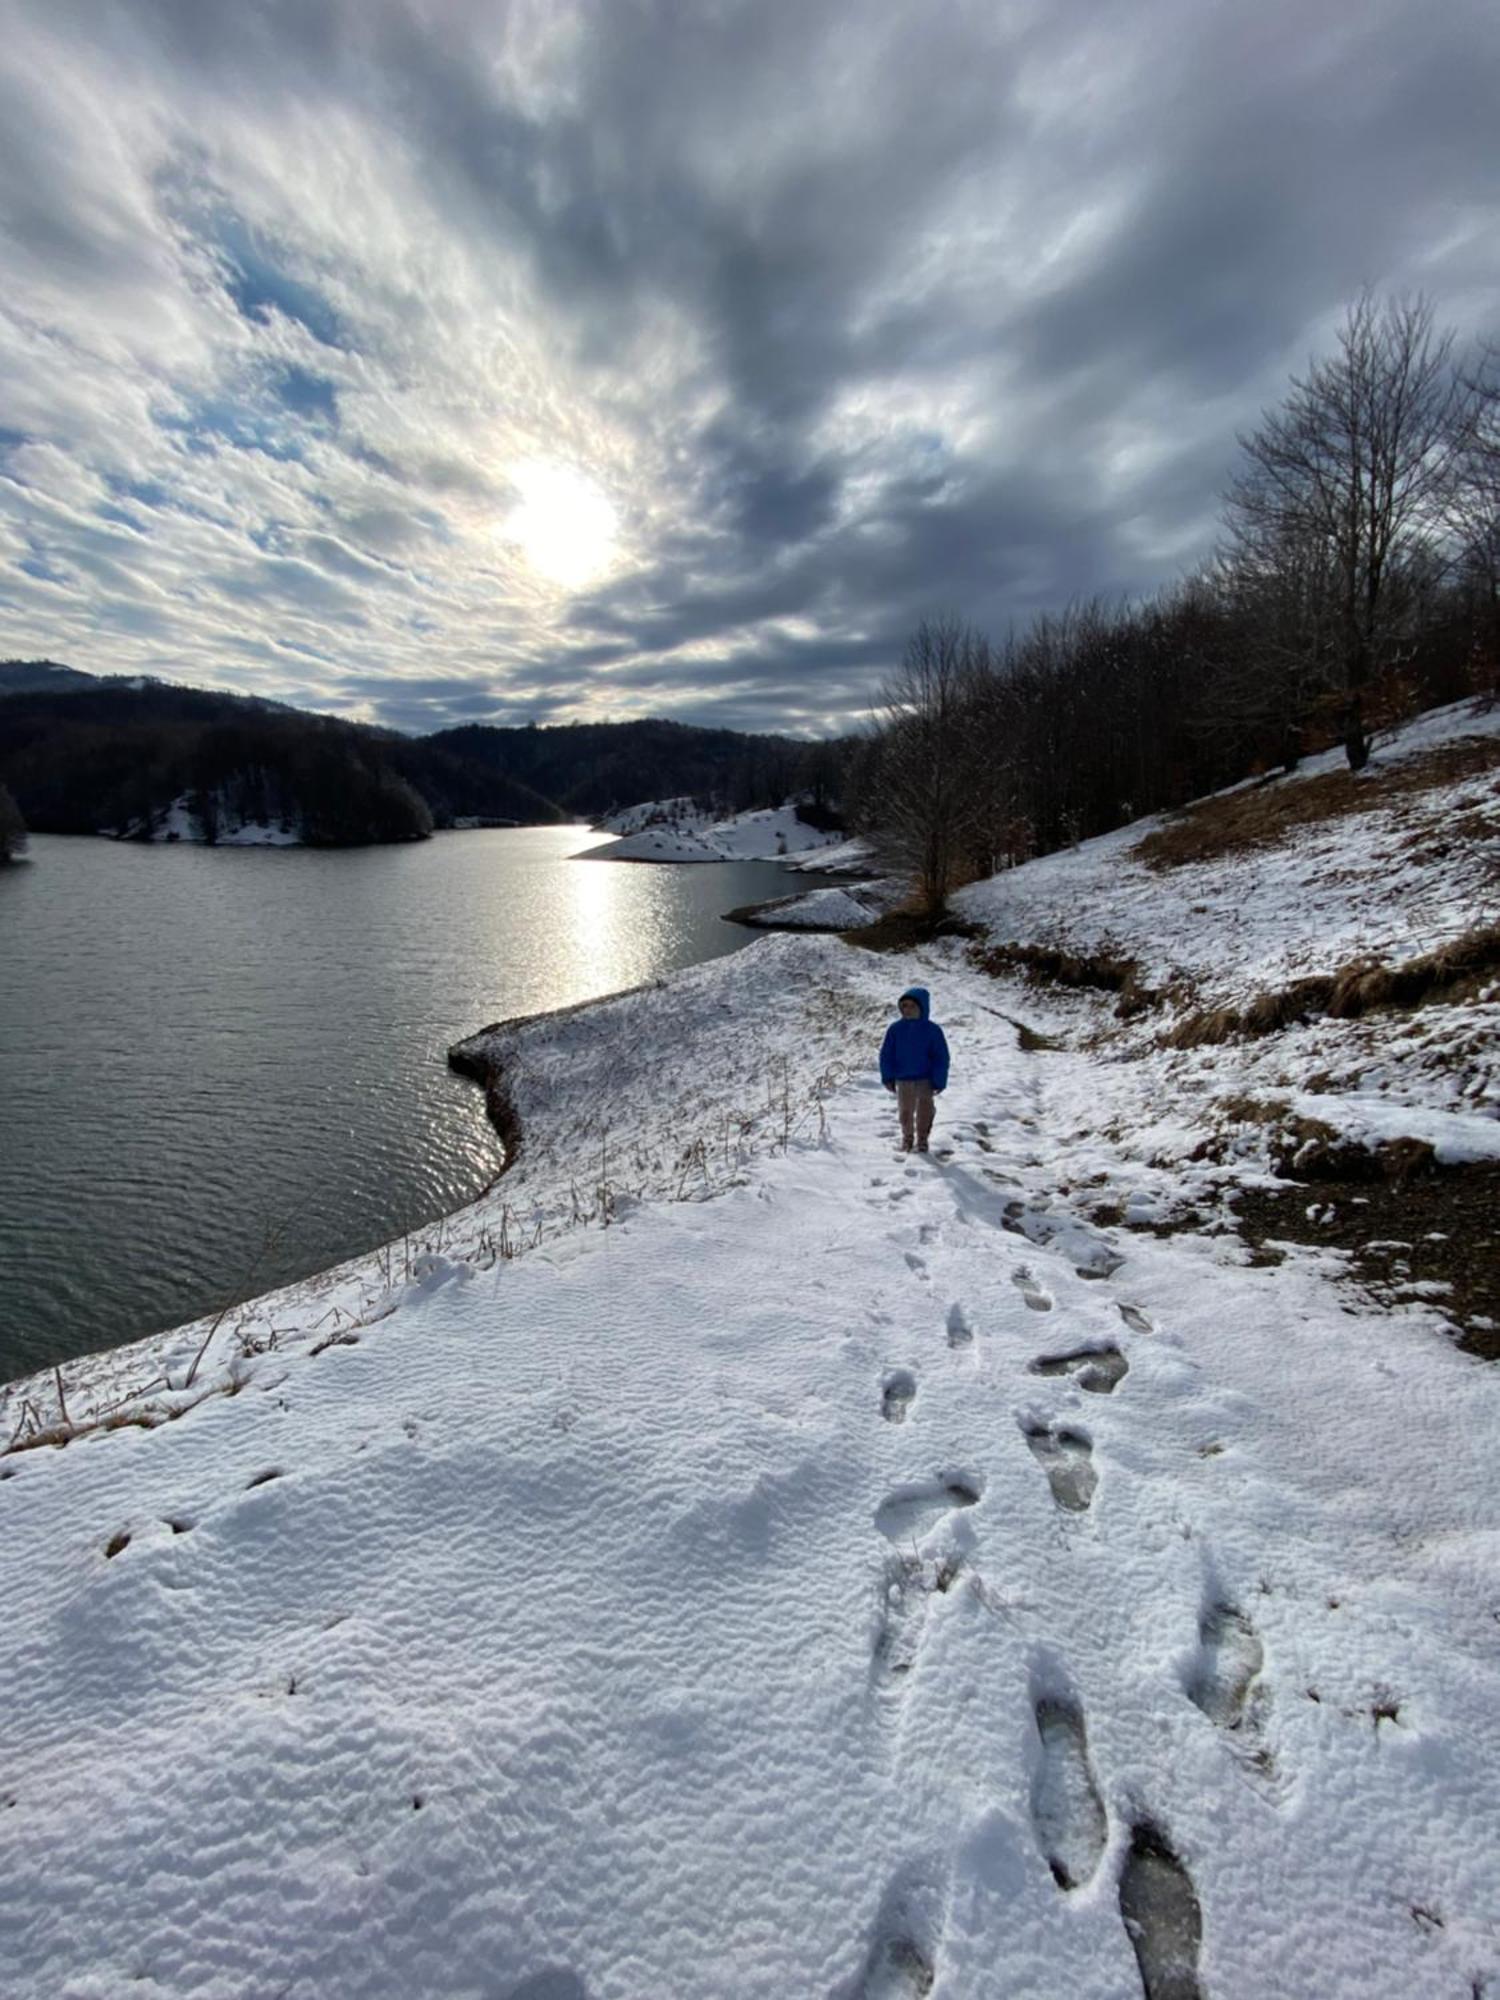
825 909
674 831
734 1559
1392 876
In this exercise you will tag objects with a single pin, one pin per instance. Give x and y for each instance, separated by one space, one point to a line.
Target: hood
921 996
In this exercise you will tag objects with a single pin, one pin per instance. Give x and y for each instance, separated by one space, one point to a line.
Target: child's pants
915 1103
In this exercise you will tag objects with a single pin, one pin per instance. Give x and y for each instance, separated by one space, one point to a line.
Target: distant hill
88 754
42 676
591 768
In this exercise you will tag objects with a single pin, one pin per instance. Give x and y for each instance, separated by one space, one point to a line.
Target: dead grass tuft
905 928
1100 972
1454 973
1242 1109
1265 813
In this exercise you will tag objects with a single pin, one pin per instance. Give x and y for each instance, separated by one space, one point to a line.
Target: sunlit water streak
198 1044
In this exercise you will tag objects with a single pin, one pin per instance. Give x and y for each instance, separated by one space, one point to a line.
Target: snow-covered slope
826 909
180 823
1414 869
1395 879
735 1559
665 833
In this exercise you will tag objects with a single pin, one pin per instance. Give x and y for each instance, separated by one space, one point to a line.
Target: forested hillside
115 757
87 755
592 767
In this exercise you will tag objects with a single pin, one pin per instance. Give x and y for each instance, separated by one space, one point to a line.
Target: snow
735 1559
846 857
180 822
665 833
655 812
827 909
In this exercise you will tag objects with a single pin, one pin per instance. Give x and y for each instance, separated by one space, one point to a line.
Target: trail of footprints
1158 1903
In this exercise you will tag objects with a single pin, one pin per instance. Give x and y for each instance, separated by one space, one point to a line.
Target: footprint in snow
1224 1682
1067 1458
960 1333
897 1394
1230 1657
1066 1809
1098 1369
1162 1918
554 1982
908 1513
1135 1319
902 1960
1099 1261
916 1265
1030 1290
904 1589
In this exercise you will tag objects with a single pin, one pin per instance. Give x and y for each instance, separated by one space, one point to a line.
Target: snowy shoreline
733 1559
996 1562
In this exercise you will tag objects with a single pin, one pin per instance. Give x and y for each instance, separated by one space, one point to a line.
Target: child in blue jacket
914 1064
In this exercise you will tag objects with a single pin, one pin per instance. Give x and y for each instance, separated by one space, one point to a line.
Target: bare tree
1477 514
924 796
1354 472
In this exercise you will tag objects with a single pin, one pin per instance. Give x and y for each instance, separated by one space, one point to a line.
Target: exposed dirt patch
1440 1228
1266 813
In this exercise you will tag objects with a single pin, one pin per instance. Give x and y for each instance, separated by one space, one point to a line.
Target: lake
226 1067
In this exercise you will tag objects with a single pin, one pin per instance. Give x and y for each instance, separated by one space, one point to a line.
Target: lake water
201 1046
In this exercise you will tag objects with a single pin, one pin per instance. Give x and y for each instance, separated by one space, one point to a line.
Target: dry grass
1101 972
1462 970
1266 813
905 928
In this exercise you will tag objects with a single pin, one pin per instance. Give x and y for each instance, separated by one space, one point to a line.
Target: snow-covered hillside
1405 870
673 830
181 823
735 1559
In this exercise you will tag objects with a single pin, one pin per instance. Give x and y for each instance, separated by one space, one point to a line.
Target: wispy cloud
845 312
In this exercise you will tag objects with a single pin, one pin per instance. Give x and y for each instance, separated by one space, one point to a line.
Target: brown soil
1441 1227
1266 813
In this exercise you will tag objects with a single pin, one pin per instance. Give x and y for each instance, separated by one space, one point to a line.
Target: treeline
589 768
1357 581
84 755
114 758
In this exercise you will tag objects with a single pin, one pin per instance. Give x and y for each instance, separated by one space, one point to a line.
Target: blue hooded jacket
914 1049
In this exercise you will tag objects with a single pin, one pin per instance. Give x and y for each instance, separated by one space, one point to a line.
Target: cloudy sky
449 360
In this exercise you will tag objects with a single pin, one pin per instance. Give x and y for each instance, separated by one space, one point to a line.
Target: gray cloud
316 314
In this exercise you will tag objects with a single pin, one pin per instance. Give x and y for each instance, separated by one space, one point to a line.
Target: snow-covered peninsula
736 1559
677 830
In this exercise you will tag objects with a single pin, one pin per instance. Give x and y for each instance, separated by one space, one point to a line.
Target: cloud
849 311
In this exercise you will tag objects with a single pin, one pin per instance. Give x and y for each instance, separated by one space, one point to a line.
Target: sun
562 523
